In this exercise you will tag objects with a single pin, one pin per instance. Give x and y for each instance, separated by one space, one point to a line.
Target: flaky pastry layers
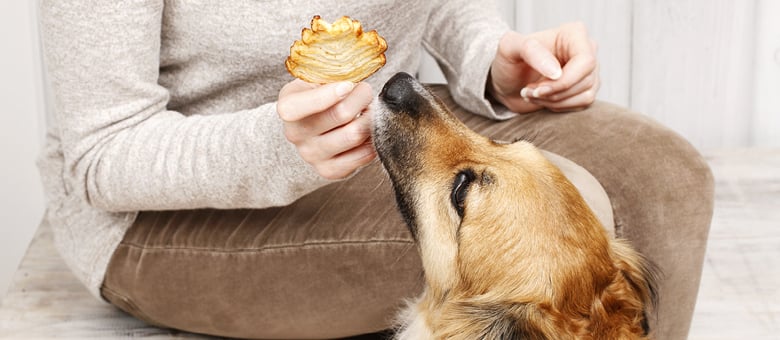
340 51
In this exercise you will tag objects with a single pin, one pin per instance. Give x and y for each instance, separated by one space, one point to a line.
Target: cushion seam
264 248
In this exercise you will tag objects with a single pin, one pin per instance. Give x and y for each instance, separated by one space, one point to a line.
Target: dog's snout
398 89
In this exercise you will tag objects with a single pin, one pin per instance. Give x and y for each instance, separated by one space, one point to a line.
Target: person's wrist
491 93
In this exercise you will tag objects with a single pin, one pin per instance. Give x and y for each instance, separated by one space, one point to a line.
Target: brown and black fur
509 247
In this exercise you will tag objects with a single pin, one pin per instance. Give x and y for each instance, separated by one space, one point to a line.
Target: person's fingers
518 49
330 125
574 72
347 163
339 140
540 59
299 99
574 103
590 81
337 115
297 85
578 54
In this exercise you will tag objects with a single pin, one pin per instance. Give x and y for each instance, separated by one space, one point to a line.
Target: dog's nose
398 89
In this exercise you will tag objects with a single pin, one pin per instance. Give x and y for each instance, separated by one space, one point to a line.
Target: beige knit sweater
171 104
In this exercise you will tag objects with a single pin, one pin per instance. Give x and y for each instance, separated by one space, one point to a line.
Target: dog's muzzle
398 136
397 113
403 94
397 90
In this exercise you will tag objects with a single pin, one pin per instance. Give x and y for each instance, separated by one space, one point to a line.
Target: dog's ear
515 323
472 319
623 307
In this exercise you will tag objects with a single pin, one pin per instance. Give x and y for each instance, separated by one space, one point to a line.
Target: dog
508 246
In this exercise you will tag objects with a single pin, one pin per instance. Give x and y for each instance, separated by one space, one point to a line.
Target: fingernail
541 91
361 113
344 88
551 70
524 93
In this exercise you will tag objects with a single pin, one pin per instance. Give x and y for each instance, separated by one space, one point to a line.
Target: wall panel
691 62
766 122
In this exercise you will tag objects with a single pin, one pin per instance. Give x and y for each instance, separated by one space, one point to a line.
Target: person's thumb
533 53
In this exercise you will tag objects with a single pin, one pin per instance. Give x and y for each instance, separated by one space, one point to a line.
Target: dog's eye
460 189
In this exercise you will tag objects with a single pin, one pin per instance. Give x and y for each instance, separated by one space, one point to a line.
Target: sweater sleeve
124 150
463 37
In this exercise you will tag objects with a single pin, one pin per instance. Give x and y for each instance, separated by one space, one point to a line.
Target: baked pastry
340 51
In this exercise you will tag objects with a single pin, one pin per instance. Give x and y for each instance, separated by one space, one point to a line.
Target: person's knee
664 178
674 168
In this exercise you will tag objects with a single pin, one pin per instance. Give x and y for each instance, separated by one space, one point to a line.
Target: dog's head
498 222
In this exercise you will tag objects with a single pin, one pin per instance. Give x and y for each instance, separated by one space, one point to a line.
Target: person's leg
340 261
660 187
337 262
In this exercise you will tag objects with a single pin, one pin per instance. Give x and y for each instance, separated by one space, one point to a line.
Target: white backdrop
21 134
709 69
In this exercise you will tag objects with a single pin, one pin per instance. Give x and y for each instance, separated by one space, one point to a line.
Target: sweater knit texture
165 105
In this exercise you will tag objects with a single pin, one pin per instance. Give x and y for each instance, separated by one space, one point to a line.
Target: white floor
739 296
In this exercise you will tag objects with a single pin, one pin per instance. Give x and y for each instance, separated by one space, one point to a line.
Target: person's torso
219 57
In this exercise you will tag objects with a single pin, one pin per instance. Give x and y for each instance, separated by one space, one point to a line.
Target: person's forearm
124 151
463 37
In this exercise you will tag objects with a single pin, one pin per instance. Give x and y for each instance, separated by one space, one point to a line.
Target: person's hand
330 125
554 69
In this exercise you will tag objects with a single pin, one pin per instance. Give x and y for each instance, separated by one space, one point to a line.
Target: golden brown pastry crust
340 51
